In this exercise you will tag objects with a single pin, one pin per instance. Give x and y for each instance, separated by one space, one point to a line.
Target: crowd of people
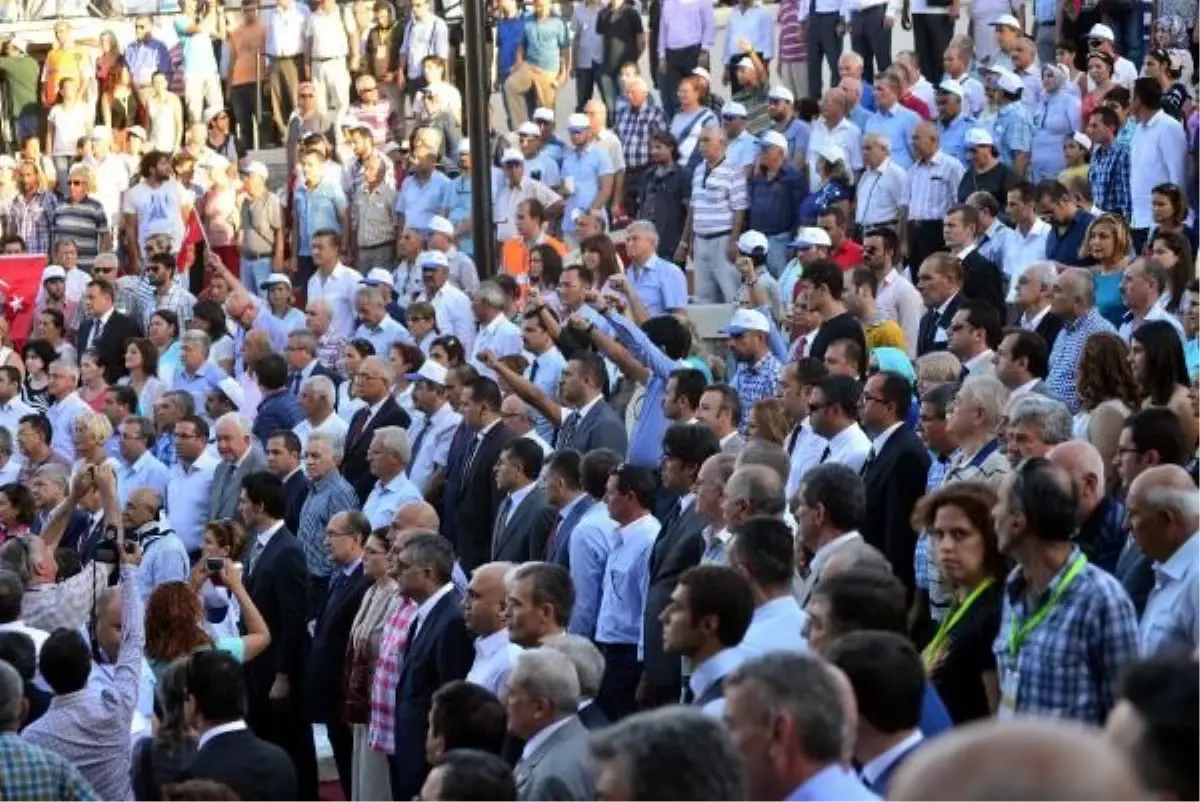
276 452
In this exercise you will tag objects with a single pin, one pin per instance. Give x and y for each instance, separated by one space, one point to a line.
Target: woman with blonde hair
1108 244
938 367
768 421
89 432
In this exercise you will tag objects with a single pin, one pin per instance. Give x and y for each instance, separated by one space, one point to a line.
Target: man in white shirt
1026 243
517 188
882 186
191 481
333 281
497 334
1158 154
1142 286
12 408
483 612
834 126
972 331
1020 362
327 48
452 307
317 398
833 410
433 430
896 299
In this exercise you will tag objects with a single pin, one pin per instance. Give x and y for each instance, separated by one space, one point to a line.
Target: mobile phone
213 564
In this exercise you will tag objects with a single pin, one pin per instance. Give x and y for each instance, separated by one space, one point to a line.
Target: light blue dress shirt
165 561
954 134
435 444
776 626
1170 621
544 168
418 202
62 415
1012 131
743 150
659 284
645 441
382 336
1055 117
585 166
187 499
548 367
626 582
712 671
384 500
317 209
591 541
198 384
146 471
896 125
460 210
832 782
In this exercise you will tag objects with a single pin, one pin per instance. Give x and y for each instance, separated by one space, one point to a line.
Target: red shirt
911 101
848 255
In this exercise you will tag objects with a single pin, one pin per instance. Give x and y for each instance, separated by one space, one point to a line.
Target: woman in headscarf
1056 117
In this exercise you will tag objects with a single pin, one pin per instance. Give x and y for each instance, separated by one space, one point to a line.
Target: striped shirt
791 39
932 187
718 192
328 496
1064 356
83 222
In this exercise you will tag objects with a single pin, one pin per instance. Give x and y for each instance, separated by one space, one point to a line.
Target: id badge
939 335
1010 681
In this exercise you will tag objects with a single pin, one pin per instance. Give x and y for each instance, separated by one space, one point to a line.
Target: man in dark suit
523 522
228 751
277 581
106 330
889 685
894 473
345 535
983 280
375 377
974 332
279 410
239 458
1021 362
678 548
441 494
589 667
939 280
477 498
283 459
439 650
564 490
1032 309
302 361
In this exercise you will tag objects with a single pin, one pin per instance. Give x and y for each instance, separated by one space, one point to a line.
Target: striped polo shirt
717 193
83 222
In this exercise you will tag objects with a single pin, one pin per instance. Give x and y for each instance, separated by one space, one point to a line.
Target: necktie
824 455
94 335
687 695
791 446
672 515
533 369
501 519
358 426
412 632
416 447
294 383
566 435
255 552
471 451
336 582
550 542
867 462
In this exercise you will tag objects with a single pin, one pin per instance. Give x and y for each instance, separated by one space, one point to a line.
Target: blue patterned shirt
755 381
30 772
1070 664
164 449
1109 175
1064 356
921 562
1012 131
327 497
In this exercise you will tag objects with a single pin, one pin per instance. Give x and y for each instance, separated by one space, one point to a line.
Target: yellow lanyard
934 650
1021 629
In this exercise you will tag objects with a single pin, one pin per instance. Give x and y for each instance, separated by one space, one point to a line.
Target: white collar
288 478
718 538
1026 387
875 769
482 433
883 165
1031 323
881 440
565 510
489 645
633 526
841 437
982 358
220 729
728 437
586 408
686 501
540 737
426 607
265 537
965 252
105 317
941 310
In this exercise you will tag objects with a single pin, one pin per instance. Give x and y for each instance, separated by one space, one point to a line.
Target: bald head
834 105
1058 761
1075 293
416 515
926 139
1164 510
1084 464
1162 477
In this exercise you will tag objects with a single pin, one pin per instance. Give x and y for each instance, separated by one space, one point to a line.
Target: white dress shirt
335 427
877 767
1159 155
501 337
339 290
62 415
845 133
882 192
849 447
804 455
11 412
494 656
426 607
435 444
452 309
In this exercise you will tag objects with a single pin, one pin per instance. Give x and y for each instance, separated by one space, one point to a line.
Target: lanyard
1020 630
934 650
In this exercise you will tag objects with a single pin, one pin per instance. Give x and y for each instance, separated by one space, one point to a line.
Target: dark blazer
91 536
276 412
115 335
678 548
330 637
562 539
227 484
600 428
77 528
295 490
1049 328
455 467
358 439
894 481
318 370
442 651
252 767
593 717
525 535
927 341
984 281
843 326
477 498
278 584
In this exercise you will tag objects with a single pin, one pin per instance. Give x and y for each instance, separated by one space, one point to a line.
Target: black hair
65 661
864 598
485 391
1165 364
40 424
125 396
197 422
1158 429
271 370
764 546
471 775
1164 693
527 455
467 716
689 384
897 392
689 444
1030 346
669 334
567 465
595 468
291 442
216 685
842 392
824 273
887 675
718 590
1048 502
266 490
981 315
639 481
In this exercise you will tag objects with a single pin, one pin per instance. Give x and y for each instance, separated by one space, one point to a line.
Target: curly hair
1104 372
975 500
227 535
173 615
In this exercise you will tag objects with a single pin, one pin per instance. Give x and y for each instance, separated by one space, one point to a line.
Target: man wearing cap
540 164
54 296
376 326
748 34
1102 39
451 306
985 172
952 121
759 288
781 110
1012 128
757 374
996 38
81 218
374 112
892 120
932 189
517 188
424 193
716 217
220 136
743 146
278 289
261 248
543 63
463 273
776 188
588 175
373 216
752 92
834 126
432 430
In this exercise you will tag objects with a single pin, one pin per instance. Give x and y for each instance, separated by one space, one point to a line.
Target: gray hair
880 140
673 753
394 439
760 487
1052 417
12 694
547 675
489 293
858 554
801 686
321 306
69 367
144 426
303 338
371 295
58 474
196 337
240 422
430 550
183 401
385 367
1184 503
335 445
764 453
637 81
642 228
322 386
106 259
838 489
850 57
988 394
1042 272
589 663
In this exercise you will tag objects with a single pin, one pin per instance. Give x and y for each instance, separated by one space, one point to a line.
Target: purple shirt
686 23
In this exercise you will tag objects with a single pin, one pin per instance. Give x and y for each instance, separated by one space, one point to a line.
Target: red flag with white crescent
20 277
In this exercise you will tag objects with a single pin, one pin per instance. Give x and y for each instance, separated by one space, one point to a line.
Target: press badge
939 335
1010 681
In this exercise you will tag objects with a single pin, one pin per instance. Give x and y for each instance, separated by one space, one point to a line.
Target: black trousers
931 36
871 40
245 112
680 64
924 238
618 688
342 742
823 43
655 15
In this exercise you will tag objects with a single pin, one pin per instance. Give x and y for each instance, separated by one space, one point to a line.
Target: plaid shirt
752 382
32 220
381 728
923 566
329 349
33 773
327 497
177 299
634 127
1064 356
1109 175
1070 664
64 604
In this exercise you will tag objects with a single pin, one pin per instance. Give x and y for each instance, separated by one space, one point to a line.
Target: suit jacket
927 340
331 635
115 335
295 490
278 411
558 767
600 428
227 485
1049 328
358 439
984 281
593 717
894 481
803 588
278 584
561 553
252 767
678 548
477 498
318 370
525 534
455 468
442 651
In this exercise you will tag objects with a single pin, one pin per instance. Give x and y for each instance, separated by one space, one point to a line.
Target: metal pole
477 103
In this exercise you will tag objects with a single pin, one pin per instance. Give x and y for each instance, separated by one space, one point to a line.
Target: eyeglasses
867 398
77 183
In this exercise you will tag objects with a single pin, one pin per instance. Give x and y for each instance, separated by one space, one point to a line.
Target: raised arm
612 349
525 389
258 635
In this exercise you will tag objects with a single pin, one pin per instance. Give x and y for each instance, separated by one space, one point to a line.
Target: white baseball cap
1101 31
376 276
978 137
746 63
440 225
733 110
781 93
512 156
578 122
430 371
464 146
276 278
432 260
752 240
1009 81
952 87
701 72
774 139
832 152
232 391
256 168
1006 21
543 115
745 320
213 113
139 132
528 129
53 272
1082 140
812 237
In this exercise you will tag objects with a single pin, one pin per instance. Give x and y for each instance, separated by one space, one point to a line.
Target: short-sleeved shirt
197 49
418 202
619 28
585 166
261 218
159 209
544 41
82 222
317 209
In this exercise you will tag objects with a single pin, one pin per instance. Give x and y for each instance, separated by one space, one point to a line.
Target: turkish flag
20 277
